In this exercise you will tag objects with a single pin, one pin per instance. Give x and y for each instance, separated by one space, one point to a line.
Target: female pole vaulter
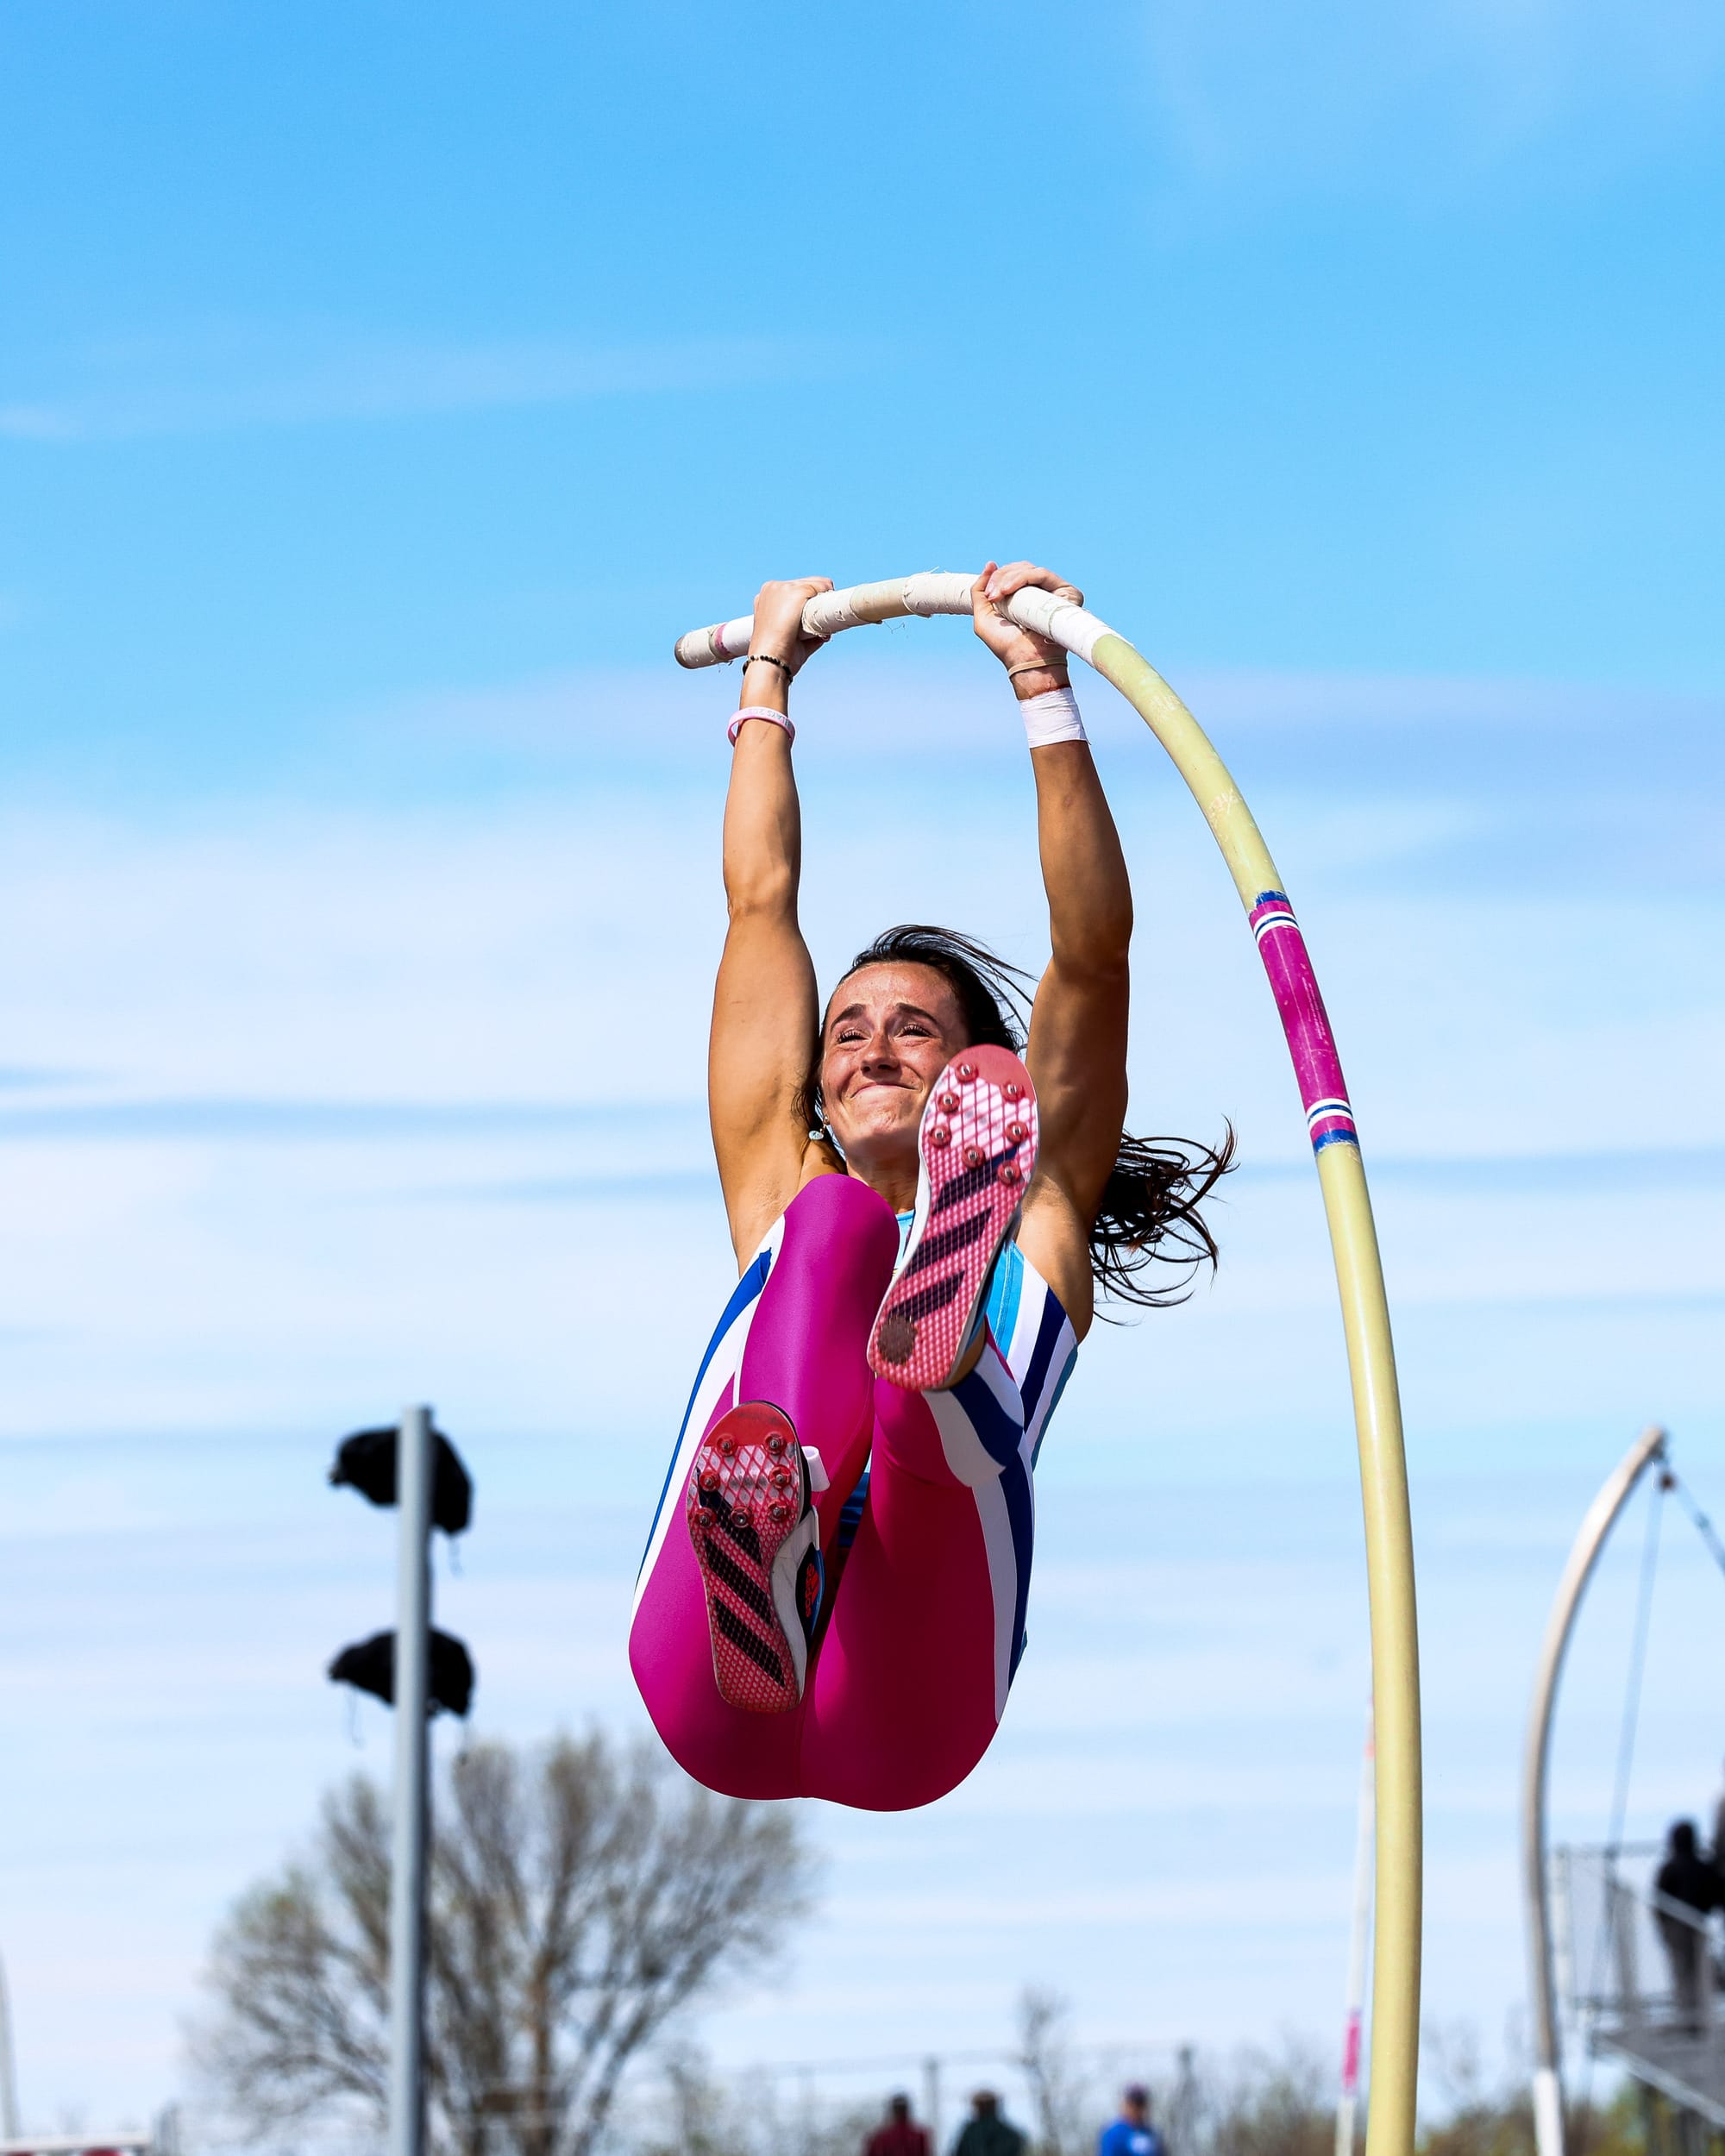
832 1599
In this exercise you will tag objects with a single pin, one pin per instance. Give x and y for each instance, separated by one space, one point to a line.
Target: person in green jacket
986 2132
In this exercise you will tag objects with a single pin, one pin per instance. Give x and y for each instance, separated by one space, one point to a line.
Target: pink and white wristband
1051 716
758 710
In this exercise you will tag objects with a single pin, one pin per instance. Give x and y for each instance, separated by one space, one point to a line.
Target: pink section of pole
1350 2053
1365 1835
1300 1004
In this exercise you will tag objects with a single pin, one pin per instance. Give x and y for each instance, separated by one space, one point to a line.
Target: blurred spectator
986 2132
1686 1879
1132 2134
899 2135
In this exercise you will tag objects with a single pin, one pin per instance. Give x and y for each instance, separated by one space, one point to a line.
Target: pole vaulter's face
891 1030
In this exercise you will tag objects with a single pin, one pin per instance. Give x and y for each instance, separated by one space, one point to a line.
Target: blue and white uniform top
1032 1331
991 1423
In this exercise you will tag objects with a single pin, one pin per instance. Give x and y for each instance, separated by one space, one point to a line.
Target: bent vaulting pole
1602 1517
1353 1239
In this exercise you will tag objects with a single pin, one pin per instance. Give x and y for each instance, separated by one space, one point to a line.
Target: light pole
9 2078
416 1468
412 1802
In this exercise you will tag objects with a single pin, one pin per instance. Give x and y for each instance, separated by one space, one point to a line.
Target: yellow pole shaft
1371 1366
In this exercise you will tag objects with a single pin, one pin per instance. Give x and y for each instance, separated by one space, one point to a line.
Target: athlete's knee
841 1204
837 1221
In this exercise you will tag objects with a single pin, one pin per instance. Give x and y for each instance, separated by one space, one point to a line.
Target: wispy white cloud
225 380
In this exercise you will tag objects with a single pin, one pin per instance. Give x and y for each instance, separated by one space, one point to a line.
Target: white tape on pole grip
1058 619
929 591
827 613
713 646
938 592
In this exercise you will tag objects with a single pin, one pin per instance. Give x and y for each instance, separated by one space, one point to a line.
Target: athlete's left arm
1077 1053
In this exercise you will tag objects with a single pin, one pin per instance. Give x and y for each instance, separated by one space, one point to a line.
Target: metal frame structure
1353 1239
1601 1516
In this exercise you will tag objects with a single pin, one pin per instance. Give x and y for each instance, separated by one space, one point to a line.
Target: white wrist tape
1053 715
758 710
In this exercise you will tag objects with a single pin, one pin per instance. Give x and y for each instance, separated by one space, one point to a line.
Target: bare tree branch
579 1897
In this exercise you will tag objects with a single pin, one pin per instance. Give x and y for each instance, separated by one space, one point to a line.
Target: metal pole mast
10 2129
407 1865
1548 2120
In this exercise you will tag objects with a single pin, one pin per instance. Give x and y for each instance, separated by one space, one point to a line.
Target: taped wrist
1053 715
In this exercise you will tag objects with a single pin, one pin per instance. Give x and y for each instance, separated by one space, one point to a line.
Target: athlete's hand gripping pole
1354 1241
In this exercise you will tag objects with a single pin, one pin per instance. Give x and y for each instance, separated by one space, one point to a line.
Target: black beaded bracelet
765 659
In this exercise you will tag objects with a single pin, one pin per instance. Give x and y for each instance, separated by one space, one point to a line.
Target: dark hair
1149 1211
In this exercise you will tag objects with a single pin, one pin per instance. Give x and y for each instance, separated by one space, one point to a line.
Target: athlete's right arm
764 1006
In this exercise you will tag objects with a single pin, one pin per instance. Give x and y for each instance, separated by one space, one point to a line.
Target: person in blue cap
1132 2134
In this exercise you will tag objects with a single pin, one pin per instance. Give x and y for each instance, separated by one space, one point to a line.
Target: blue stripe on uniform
998 1432
1059 1387
1006 1290
850 1514
1047 1333
741 1295
1020 1513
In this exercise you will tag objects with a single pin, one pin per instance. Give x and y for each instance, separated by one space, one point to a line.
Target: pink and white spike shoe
978 1143
752 1522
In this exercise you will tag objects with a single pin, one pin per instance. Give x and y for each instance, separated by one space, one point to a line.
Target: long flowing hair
1149 1212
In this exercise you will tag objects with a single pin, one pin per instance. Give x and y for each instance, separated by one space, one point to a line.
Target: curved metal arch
1601 1516
1353 1242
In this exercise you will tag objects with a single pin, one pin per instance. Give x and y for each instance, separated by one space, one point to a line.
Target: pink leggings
908 1684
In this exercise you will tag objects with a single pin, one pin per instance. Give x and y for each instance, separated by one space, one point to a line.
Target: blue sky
381 394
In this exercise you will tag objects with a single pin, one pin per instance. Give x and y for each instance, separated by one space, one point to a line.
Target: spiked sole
752 1524
978 1143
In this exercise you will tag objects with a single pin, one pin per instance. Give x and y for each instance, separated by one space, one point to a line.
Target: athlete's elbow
762 894
1101 950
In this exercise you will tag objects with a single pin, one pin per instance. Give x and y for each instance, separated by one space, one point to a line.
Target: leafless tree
1046 2054
697 2114
578 1897
1261 2103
